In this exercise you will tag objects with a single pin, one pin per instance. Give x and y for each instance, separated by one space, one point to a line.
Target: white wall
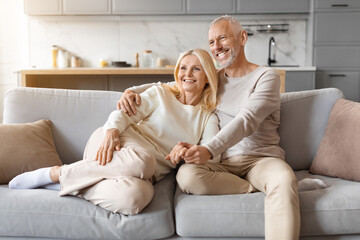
13 45
120 40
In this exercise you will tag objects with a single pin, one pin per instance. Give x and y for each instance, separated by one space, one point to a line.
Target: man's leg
277 180
211 178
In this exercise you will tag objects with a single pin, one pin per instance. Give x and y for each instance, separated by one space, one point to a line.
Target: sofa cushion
339 151
26 147
41 213
74 114
303 119
242 215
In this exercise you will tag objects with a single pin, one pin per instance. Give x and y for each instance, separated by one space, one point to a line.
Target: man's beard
231 59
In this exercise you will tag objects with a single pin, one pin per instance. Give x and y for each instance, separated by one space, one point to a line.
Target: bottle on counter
160 62
63 58
54 53
103 62
147 59
136 60
63 61
75 62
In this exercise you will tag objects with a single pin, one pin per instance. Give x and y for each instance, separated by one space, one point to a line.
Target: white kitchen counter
297 69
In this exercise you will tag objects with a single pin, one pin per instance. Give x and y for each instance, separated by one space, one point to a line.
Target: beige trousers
121 186
270 175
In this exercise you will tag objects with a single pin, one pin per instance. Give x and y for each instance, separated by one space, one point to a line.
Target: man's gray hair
233 21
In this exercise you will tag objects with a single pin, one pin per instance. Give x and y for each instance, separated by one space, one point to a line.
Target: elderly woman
125 157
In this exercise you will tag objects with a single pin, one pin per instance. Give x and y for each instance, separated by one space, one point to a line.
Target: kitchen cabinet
273 6
347 81
80 7
337 27
299 81
42 7
337 5
336 51
163 7
145 7
337 56
116 79
210 6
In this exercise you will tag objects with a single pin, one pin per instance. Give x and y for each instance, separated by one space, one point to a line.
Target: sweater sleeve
142 88
120 120
210 130
262 102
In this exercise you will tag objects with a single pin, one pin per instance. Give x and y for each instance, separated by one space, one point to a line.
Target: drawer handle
337 75
339 5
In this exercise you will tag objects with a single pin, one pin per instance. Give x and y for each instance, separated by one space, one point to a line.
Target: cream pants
121 186
271 176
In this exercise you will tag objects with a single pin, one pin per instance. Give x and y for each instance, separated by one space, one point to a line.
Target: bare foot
55 173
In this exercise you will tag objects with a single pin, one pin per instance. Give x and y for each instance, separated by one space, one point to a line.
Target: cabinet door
42 7
348 82
134 7
210 6
333 27
299 80
336 4
337 56
273 6
86 7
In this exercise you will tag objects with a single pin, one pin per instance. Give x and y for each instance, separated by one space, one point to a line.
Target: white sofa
330 213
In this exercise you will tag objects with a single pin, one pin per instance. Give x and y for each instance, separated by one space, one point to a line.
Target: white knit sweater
161 122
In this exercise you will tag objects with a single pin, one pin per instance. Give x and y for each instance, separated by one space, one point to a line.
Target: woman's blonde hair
209 99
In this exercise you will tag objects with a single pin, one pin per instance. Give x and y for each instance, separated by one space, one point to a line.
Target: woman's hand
196 154
127 102
176 154
110 144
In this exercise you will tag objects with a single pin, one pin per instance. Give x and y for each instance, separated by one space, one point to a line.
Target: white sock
308 184
33 179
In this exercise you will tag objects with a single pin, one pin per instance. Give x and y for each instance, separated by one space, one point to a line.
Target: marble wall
121 40
13 45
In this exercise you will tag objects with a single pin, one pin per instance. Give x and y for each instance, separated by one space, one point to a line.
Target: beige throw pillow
339 150
26 147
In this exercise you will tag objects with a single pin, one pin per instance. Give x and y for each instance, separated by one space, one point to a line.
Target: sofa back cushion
74 114
303 120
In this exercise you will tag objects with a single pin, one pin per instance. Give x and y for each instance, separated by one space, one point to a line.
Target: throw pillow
339 150
26 147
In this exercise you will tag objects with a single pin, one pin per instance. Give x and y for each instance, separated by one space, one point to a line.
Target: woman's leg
126 195
32 179
132 160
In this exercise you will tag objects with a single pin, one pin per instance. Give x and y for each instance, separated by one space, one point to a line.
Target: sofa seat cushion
41 213
330 211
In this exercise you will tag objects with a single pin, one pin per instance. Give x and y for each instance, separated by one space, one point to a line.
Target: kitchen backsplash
120 41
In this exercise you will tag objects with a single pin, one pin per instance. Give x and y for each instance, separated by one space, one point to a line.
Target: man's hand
176 154
110 144
196 154
127 102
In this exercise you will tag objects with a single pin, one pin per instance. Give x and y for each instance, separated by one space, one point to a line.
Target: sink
284 66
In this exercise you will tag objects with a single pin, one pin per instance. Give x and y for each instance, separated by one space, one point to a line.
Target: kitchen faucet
271 43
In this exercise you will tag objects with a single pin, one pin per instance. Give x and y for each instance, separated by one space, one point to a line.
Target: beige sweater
161 122
249 115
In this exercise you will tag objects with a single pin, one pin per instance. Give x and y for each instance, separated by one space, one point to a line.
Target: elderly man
249 116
